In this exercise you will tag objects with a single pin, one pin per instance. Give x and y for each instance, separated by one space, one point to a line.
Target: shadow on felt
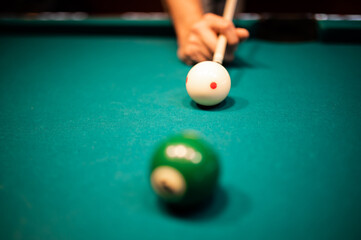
226 205
229 104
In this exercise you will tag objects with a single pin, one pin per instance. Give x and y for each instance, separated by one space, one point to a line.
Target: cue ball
184 170
208 83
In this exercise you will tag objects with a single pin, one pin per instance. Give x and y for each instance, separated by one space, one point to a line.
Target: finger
194 59
230 33
186 59
222 26
207 35
194 55
191 55
242 33
189 61
209 39
200 46
181 55
199 58
205 53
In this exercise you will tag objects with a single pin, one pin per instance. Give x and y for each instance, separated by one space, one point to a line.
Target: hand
201 41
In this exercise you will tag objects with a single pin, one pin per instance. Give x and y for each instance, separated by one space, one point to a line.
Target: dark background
121 6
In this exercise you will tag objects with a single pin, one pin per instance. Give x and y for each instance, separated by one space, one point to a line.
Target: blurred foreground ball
184 170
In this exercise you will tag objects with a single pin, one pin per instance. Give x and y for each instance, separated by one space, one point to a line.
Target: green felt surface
92 21
81 116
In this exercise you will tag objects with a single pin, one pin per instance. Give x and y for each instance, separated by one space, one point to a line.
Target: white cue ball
208 83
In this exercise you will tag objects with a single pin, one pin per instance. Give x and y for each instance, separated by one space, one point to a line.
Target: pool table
84 103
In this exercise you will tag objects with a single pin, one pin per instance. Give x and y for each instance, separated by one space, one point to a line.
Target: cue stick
228 14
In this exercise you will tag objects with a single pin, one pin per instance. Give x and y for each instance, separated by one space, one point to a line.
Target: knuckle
196 28
227 25
193 40
187 52
208 16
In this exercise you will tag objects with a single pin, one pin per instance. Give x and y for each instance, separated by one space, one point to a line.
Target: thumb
242 33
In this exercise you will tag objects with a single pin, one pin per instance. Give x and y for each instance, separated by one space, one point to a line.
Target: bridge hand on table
201 41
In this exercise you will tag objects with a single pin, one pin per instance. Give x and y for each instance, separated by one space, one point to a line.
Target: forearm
184 13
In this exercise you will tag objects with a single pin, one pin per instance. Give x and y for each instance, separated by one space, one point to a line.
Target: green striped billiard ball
184 170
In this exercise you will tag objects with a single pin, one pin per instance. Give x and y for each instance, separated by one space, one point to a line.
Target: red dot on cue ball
213 85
